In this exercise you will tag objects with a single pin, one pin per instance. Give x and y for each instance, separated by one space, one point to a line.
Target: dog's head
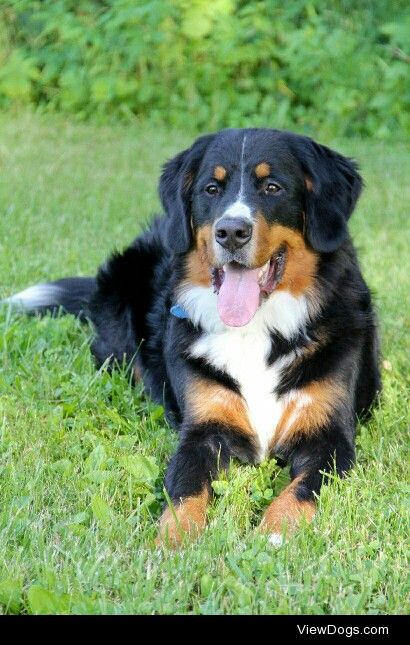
252 209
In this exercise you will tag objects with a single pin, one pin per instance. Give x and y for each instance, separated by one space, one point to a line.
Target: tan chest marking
308 409
208 401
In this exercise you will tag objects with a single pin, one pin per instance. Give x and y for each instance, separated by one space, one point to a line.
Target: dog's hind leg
124 295
368 385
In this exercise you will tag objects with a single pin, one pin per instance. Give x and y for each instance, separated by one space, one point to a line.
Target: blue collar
178 312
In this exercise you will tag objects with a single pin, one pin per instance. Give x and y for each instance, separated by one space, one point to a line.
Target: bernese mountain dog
244 312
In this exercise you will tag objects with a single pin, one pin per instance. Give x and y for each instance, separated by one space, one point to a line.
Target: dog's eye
212 189
271 188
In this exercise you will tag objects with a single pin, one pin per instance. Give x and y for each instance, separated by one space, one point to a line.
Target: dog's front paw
187 519
284 515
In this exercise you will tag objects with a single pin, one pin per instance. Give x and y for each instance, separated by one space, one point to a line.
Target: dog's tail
69 295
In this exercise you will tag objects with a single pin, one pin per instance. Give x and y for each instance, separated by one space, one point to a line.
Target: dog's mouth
241 289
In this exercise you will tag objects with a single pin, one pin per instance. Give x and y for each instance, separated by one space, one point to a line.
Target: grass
82 455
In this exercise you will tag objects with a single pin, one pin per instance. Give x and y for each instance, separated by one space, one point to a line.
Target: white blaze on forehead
240 195
239 208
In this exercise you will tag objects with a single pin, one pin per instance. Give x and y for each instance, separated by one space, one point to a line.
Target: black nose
233 232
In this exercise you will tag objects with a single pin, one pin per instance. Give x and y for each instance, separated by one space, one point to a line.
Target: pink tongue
238 297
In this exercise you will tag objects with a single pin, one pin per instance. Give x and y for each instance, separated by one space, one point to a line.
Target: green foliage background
339 68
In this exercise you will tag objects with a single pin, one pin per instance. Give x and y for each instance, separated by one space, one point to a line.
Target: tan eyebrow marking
219 173
262 170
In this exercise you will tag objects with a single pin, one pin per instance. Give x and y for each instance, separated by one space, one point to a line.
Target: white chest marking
242 352
243 357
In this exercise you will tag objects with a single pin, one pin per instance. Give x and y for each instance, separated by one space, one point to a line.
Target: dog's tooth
264 269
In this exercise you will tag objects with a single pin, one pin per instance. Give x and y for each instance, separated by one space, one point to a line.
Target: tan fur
199 261
309 184
204 243
283 423
301 262
220 173
137 374
321 338
325 397
209 401
187 518
262 170
197 270
286 511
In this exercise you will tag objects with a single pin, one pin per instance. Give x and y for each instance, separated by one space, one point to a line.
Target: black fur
336 189
203 450
175 193
68 295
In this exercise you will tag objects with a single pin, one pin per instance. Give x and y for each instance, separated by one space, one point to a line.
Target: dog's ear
175 190
332 188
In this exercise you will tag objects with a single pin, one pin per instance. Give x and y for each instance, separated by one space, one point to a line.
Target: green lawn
82 455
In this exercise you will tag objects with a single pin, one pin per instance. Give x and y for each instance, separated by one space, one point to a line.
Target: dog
244 312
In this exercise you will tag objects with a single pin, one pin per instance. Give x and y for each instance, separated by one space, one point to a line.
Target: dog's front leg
331 449
215 428
203 450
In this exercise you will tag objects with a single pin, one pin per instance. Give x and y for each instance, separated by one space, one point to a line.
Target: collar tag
178 311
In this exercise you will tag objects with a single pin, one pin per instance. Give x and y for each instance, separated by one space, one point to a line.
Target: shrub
338 68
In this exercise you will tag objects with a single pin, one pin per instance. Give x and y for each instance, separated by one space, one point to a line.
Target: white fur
301 401
276 540
240 194
238 209
281 312
200 305
242 351
40 295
